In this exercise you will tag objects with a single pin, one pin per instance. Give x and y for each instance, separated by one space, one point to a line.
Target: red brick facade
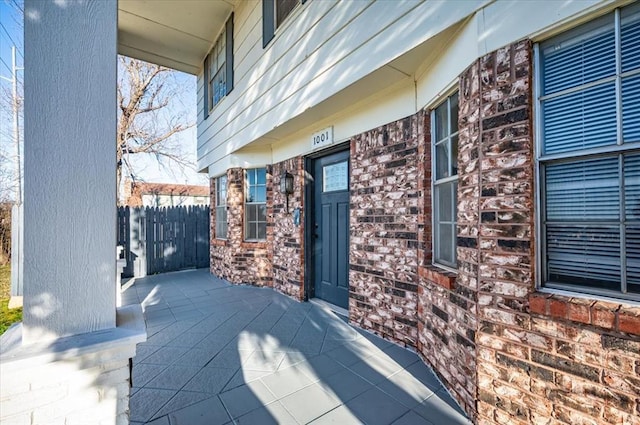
447 320
232 258
277 262
535 358
134 191
508 353
385 205
288 238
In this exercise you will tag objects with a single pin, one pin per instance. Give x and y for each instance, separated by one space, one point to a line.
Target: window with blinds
221 207
589 156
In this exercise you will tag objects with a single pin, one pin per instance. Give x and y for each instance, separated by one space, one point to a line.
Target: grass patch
7 317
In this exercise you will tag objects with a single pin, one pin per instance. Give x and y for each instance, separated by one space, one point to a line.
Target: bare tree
11 171
147 122
8 180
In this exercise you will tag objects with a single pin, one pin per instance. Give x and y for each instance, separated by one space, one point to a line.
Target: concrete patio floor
218 353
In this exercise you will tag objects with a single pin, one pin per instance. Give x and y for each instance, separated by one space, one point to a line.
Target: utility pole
16 127
15 107
17 232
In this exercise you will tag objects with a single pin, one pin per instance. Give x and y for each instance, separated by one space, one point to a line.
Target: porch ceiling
173 33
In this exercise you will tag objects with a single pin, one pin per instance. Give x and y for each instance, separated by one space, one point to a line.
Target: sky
150 170
10 34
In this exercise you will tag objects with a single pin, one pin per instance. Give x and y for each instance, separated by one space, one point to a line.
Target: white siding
330 55
392 104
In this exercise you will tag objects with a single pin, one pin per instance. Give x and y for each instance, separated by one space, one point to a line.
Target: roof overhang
174 33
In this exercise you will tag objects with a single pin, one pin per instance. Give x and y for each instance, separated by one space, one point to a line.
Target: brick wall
447 302
507 353
279 260
288 239
576 369
540 359
234 259
505 165
385 206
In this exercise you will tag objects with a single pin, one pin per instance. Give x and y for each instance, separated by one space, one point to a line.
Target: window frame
210 74
435 182
247 204
221 206
617 151
270 23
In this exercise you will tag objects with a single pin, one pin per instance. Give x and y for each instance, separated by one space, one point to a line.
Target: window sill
213 108
259 244
219 242
438 276
612 316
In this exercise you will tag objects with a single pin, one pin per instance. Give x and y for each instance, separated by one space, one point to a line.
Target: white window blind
631 108
580 57
589 158
580 120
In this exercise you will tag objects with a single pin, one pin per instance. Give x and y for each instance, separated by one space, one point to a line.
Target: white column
69 167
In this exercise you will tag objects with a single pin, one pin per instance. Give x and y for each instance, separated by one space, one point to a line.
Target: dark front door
331 228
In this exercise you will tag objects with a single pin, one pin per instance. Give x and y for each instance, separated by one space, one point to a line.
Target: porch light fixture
286 186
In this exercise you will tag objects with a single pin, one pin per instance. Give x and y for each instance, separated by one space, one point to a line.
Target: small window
335 177
221 207
218 69
445 181
589 156
255 211
283 9
274 13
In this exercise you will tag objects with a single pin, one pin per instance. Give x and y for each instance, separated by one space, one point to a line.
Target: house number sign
322 138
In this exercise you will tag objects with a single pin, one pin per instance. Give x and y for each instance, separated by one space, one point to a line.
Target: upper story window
283 9
445 181
221 207
255 209
218 69
274 13
589 156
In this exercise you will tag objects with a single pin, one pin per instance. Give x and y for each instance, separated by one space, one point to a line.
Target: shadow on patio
218 353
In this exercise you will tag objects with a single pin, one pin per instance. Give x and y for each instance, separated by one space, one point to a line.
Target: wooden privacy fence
158 240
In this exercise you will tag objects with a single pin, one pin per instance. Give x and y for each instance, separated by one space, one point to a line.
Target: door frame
309 204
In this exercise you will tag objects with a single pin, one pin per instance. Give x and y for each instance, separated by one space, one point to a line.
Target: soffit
173 33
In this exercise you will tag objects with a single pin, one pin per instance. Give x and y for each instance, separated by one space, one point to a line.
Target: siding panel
321 49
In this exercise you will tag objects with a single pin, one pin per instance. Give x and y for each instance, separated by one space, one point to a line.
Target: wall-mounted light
286 186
